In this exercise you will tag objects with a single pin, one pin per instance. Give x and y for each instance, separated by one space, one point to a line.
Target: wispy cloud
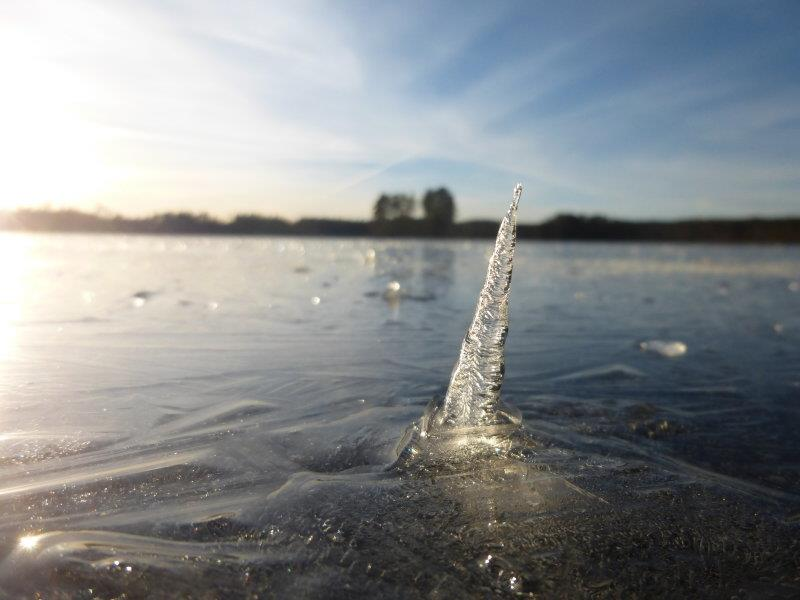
314 107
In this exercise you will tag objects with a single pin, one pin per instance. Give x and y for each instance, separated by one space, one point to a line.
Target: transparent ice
474 392
471 418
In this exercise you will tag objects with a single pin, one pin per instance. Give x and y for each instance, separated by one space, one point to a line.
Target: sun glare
49 152
29 542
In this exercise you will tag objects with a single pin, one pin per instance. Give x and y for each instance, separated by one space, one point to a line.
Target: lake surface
215 417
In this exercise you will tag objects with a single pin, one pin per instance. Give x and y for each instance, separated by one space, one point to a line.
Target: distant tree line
36 219
598 228
393 215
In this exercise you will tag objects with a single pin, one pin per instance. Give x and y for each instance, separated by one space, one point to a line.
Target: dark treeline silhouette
38 219
598 228
394 214
395 219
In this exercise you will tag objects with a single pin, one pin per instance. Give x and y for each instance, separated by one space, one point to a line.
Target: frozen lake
213 416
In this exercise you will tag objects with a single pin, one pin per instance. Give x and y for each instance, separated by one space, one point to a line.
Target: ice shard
471 415
473 395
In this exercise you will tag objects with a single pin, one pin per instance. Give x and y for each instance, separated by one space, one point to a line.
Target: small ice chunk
777 328
664 348
794 286
144 294
392 291
315 300
141 297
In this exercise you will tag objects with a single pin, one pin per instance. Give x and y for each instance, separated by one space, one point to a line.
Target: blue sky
632 109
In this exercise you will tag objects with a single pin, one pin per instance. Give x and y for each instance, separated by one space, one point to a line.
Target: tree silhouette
389 207
440 210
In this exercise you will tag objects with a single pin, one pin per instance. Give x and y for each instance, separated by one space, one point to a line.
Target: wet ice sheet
183 407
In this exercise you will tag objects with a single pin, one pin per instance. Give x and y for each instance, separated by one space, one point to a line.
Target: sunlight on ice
29 542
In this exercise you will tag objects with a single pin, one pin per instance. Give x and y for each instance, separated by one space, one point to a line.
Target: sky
631 109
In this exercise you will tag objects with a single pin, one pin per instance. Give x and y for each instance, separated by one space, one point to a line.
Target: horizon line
103 213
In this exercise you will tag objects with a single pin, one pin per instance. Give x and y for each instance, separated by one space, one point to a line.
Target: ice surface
171 450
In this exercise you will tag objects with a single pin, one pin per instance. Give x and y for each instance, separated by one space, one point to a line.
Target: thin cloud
313 108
